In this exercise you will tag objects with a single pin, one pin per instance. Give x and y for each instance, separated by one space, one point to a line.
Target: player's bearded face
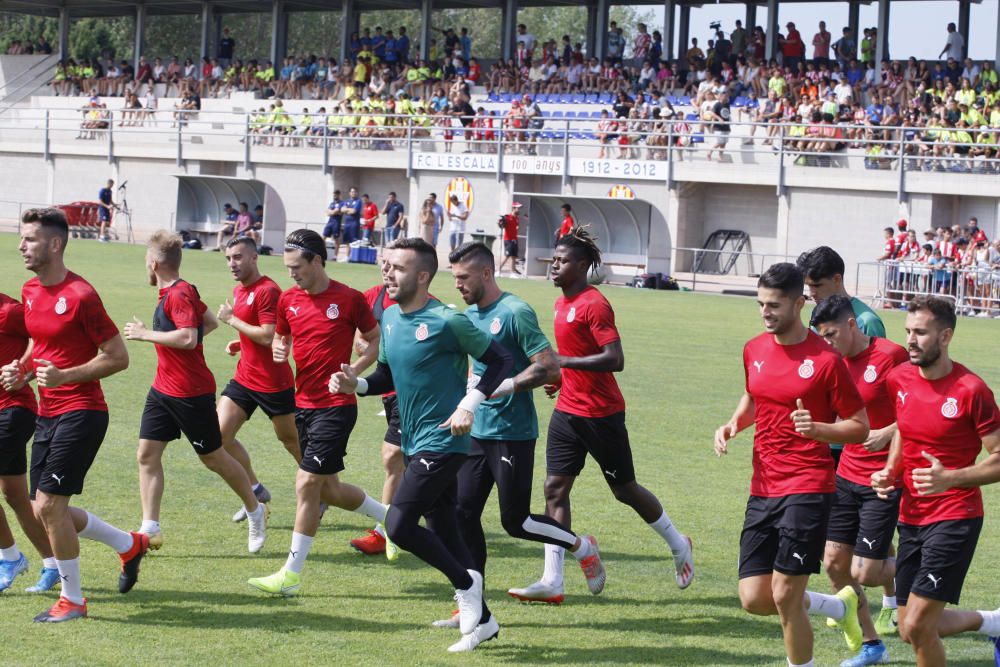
469 282
150 273
34 246
923 339
778 312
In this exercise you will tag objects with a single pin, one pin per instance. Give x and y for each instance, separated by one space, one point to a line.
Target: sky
916 28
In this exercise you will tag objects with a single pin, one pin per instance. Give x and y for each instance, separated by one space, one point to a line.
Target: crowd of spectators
956 261
25 48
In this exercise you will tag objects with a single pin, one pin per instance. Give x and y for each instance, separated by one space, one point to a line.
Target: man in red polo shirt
799 396
18 412
369 214
74 344
511 251
946 415
861 528
567 222
589 418
182 398
259 380
317 321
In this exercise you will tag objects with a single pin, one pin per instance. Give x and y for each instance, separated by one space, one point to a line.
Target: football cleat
391 550
849 623
371 544
593 568
684 565
257 530
870 654
885 622
10 569
155 538
130 562
63 610
483 632
47 579
451 622
470 603
283 582
263 496
538 592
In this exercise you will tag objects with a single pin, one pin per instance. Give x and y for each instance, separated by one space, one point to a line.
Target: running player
505 428
946 415
317 320
861 525
18 412
590 415
823 271
74 344
424 357
374 542
182 398
259 381
796 388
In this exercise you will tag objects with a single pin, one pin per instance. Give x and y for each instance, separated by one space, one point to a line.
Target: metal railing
974 289
563 146
746 268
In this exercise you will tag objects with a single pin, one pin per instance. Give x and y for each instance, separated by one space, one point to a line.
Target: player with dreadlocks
590 414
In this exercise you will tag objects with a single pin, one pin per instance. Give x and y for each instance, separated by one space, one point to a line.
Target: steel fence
974 289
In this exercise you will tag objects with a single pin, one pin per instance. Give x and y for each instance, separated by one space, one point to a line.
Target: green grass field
682 378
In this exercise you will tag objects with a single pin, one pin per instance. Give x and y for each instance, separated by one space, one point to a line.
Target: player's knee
625 493
786 598
47 509
392 460
868 573
836 567
513 523
914 630
556 490
395 526
757 604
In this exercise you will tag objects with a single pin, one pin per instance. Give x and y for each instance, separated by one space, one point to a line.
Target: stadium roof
79 8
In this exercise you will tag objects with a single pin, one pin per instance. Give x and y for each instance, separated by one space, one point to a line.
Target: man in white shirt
526 37
844 93
458 213
955 44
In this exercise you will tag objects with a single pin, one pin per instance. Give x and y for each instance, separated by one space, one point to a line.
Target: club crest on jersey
61 306
949 408
871 374
333 311
571 315
806 370
250 299
422 332
495 326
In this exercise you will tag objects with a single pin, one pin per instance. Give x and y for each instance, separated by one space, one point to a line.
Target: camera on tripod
715 25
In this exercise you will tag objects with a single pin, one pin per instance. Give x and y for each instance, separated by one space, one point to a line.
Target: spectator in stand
640 45
954 45
845 49
525 39
403 46
395 218
145 74
226 49
738 37
369 213
615 44
821 45
793 49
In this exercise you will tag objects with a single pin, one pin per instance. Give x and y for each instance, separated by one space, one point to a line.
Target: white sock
371 508
298 552
585 549
553 575
804 664
99 531
50 562
889 601
256 487
149 526
69 572
991 623
821 604
10 553
380 530
666 530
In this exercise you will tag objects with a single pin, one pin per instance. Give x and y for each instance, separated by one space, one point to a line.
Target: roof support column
509 28
684 35
64 21
750 20
669 7
206 25
600 43
854 23
591 34
279 33
881 43
348 24
964 7
140 34
772 29
426 28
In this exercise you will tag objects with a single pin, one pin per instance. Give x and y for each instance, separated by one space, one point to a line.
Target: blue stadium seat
579 98
542 98
606 98
507 98
565 98
595 115
686 100
493 97
592 98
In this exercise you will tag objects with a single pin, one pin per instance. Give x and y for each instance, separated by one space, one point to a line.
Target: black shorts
571 438
863 520
510 248
332 229
17 425
393 434
323 435
933 560
165 418
786 534
273 404
835 452
65 447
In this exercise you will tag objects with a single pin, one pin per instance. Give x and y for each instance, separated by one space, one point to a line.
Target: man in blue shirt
855 73
104 196
403 46
351 210
378 43
394 218
438 216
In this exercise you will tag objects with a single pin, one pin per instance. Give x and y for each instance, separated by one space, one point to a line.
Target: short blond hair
166 247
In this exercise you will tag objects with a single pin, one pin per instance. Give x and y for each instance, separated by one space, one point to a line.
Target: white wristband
472 400
362 387
506 388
